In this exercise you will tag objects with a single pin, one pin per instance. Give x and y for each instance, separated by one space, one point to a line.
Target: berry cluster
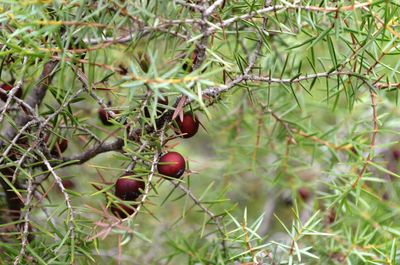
171 164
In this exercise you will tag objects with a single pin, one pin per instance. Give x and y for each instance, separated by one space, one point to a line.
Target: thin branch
373 139
206 210
10 97
25 232
58 180
276 8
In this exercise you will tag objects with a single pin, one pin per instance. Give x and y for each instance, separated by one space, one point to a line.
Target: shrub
296 163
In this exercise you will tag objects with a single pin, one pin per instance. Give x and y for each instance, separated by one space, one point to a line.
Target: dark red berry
128 189
68 184
62 145
188 126
122 211
7 87
304 193
105 117
172 164
161 103
59 147
396 154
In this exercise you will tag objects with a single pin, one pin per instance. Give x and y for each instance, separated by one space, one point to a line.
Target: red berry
396 154
104 117
7 87
122 211
62 145
161 103
59 147
128 189
189 125
304 193
172 164
68 184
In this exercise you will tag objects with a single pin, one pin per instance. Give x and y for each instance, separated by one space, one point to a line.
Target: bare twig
215 218
25 232
58 180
